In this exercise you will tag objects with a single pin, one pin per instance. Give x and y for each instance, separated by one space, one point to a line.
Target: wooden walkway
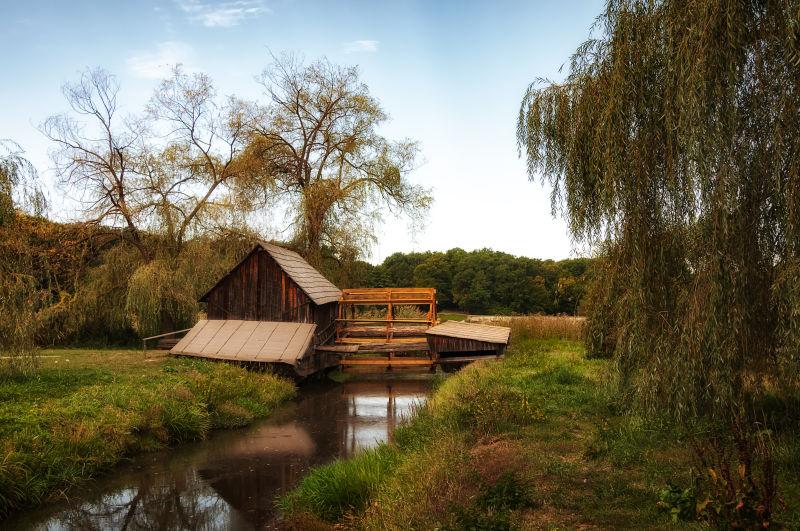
359 343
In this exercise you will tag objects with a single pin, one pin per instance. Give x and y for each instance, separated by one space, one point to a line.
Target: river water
230 480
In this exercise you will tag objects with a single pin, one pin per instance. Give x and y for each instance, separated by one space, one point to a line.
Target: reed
563 327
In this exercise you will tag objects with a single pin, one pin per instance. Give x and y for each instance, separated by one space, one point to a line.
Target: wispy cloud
156 64
361 46
222 14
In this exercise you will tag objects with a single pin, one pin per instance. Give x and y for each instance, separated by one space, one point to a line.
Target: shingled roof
318 288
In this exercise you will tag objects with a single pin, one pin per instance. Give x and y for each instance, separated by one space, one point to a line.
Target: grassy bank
532 441
84 410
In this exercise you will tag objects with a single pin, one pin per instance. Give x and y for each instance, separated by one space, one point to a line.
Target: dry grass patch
523 327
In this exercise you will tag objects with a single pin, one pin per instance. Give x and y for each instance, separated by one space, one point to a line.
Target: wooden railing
347 322
146 339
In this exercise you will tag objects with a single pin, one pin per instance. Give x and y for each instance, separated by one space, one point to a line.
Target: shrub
738 484
492 506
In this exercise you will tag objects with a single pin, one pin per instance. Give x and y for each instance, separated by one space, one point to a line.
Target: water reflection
231 480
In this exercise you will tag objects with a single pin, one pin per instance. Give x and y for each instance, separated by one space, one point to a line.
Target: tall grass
342 486
538 326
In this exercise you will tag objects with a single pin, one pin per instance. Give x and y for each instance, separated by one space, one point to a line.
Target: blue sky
450 74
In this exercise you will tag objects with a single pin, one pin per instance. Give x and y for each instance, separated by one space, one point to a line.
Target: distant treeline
484 281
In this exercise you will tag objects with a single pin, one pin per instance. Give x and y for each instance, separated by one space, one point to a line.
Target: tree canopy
321 153
676 135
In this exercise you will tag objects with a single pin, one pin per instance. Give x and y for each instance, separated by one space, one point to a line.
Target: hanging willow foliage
160 298
676 135
162 294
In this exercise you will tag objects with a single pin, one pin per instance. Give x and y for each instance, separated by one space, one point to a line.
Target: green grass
536 434
82 411
343 485
451 316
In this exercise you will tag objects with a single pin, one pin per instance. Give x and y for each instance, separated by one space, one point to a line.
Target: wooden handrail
146 339
389 297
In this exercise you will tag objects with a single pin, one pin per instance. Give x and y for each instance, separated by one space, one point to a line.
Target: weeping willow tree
160 182
20 295
676 135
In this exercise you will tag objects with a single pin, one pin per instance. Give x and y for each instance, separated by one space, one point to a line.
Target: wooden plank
231 348
337 348
220 338
373 320
472 331
195 347
298 345
275 347
386 362
393 347
467 359
185 340
371 341
256 341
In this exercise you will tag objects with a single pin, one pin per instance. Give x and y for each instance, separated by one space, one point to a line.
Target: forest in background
486 281
79 279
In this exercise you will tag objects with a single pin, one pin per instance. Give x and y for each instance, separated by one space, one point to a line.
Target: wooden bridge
273 308
291 345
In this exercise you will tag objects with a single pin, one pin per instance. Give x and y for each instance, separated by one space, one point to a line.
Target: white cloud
157 64
361 46
222 14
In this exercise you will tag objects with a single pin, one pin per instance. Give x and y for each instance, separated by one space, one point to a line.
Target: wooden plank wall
443 344
259 290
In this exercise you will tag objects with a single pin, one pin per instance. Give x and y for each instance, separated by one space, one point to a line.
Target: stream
230 480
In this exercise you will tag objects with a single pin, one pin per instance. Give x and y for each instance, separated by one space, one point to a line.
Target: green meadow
82 411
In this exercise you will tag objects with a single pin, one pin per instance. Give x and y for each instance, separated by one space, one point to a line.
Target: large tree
676 135
159 181
167 171
318 142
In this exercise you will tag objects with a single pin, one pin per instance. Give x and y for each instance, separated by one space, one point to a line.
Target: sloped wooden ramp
457 343
481 333
265 342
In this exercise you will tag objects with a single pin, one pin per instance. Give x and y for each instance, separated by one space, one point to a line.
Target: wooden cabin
274 309
275 284
271 308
